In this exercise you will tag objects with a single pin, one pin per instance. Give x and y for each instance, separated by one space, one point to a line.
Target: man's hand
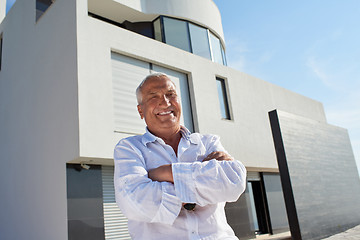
161 174
220 156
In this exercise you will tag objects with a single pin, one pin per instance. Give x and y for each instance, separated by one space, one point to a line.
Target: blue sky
9 3
311 47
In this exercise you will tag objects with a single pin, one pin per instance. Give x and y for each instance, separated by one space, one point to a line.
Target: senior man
169 183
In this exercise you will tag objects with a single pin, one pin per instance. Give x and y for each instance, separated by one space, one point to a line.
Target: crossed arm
164 172
157 195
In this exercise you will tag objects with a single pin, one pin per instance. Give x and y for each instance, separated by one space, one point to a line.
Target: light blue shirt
154 209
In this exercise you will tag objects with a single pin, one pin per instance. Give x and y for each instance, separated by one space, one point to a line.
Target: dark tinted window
223 99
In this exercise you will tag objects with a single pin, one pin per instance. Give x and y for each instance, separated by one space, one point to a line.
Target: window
223 99
223 55
42 6
1 41
157 30
189 37
176 33
199 41
216 50
142 28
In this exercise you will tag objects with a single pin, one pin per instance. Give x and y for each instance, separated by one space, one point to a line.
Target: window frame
224 99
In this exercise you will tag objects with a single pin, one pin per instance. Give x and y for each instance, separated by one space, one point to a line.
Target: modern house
68 73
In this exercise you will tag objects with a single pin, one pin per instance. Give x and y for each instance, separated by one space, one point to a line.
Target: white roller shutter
115 223
127 74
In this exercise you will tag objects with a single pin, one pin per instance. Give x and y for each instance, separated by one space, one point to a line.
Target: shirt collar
148 137
185 133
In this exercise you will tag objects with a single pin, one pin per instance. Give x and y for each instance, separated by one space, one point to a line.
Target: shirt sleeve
138 197
211 181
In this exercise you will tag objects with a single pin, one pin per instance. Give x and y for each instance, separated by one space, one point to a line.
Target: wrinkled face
160 105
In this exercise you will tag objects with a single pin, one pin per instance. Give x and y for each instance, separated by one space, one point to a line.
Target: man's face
160 104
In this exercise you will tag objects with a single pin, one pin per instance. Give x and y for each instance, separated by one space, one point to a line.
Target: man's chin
170 124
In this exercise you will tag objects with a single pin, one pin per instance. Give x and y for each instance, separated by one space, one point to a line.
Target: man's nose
165 101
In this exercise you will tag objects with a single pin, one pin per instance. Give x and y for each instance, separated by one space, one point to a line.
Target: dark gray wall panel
85 203
323 174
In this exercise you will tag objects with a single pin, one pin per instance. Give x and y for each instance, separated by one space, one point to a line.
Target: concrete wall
247 136
38 119
322 172
2 9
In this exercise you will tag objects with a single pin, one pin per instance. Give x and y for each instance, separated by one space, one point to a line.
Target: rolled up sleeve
209 182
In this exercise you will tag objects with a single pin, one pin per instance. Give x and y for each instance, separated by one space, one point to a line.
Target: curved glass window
176 33
157 30
199 41
216 49
189 37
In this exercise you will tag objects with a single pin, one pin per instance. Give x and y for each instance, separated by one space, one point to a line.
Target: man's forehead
160 83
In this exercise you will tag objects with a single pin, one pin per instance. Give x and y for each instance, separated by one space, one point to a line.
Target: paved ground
351 234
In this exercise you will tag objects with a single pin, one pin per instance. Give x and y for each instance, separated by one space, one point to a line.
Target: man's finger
208 157
220 156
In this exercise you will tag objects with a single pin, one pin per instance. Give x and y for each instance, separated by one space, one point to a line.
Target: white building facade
68 73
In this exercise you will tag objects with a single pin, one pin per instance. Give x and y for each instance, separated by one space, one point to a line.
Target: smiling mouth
165 113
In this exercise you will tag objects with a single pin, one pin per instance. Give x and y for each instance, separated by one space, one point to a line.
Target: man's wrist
161 174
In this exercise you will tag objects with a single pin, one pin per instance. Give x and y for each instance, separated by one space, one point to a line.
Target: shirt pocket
195 153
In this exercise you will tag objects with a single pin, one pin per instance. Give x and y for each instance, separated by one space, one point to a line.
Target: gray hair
153 75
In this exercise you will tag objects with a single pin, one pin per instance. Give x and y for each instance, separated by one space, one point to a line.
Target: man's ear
140 111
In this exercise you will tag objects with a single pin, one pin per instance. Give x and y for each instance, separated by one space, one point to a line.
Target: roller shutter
127 74
115 223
